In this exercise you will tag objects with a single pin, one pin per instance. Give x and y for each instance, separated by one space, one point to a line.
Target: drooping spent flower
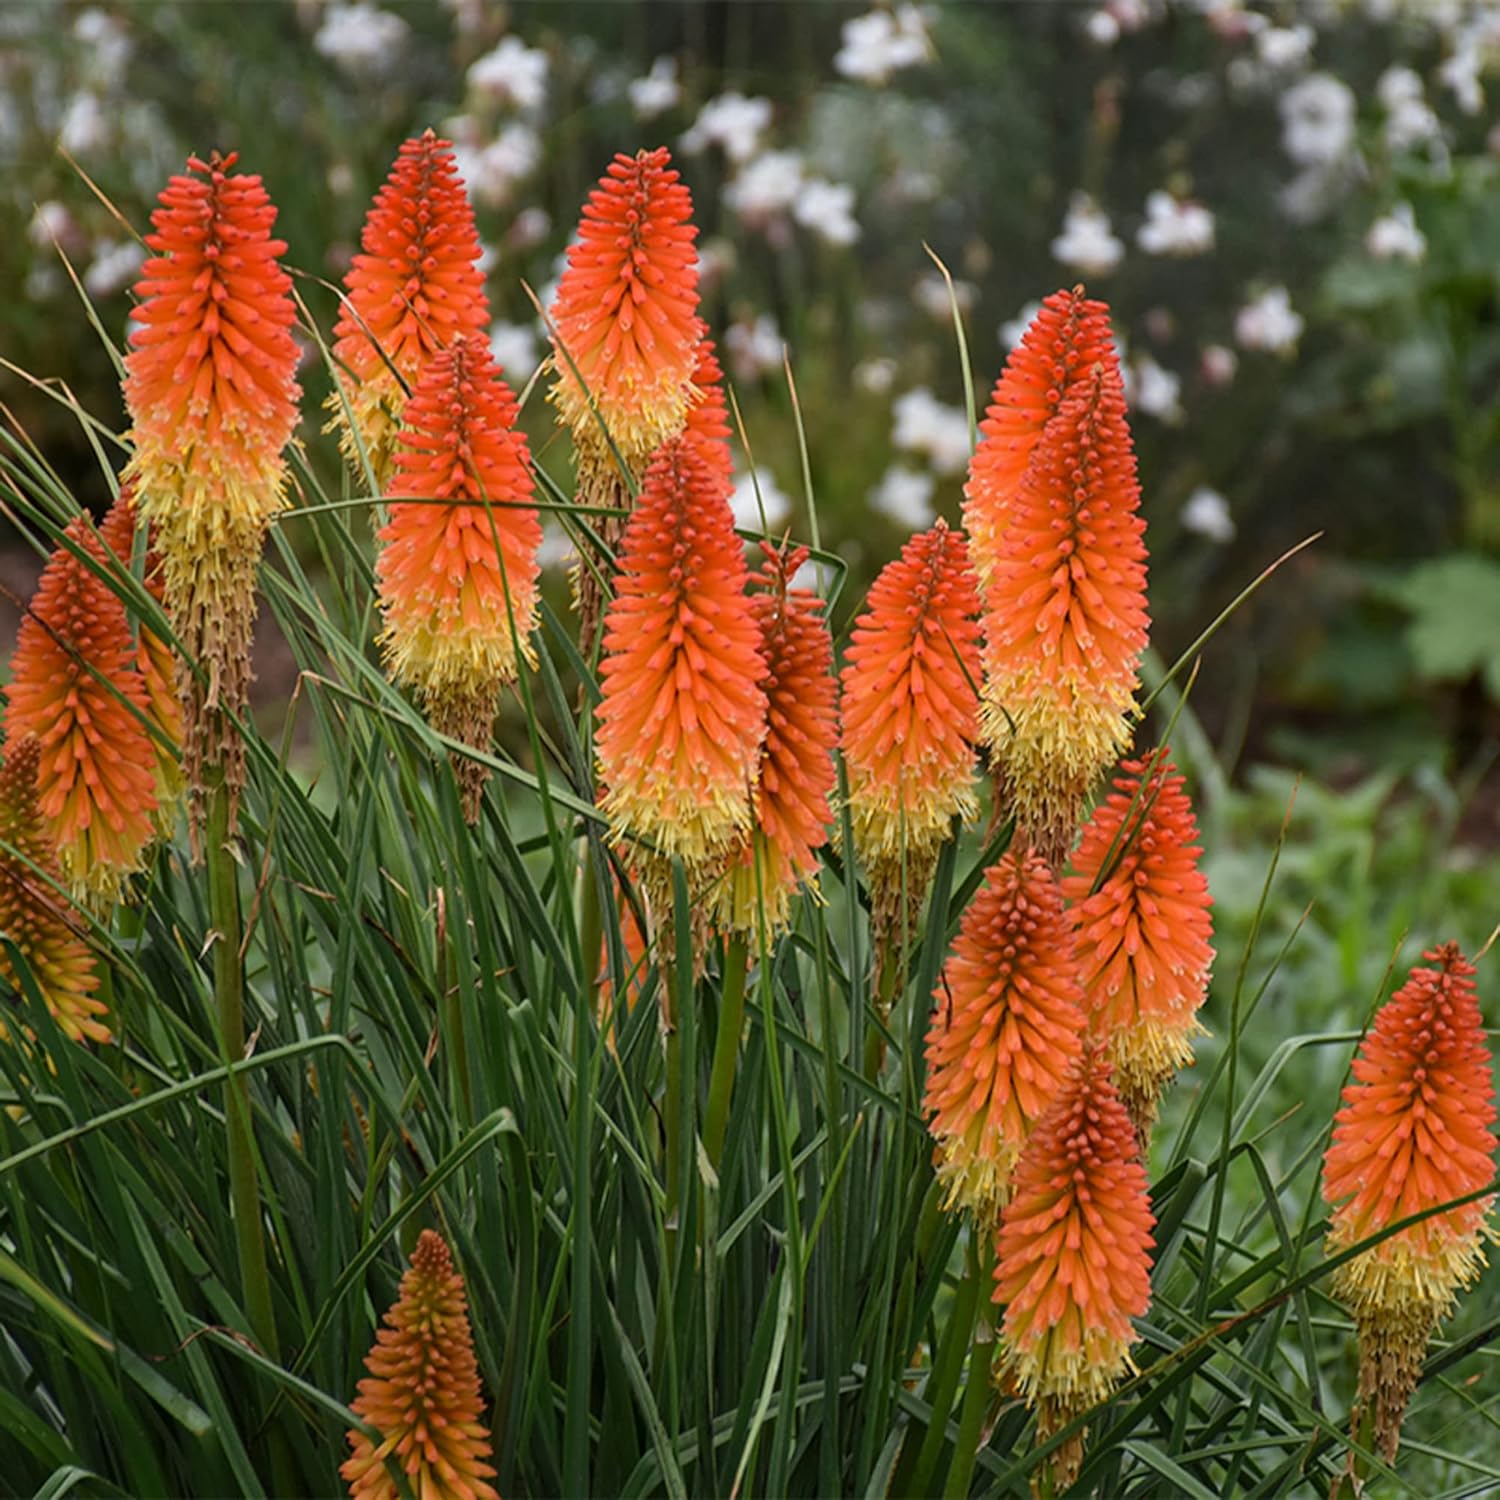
1006 1025
423 1394
76 688
458 579
1143 935
797 773
1073 1256
212 394
682 715
910 711
33 914
414 288
1416 1130
1065 615
1068 336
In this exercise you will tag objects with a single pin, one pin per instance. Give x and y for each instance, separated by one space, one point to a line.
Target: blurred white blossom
1409 120
766 187
881 43
51 223
1011 333
923 424
731 122
1283 48
875 376
905 496
1269 322
530 227
1155 391
1175 226
1207 513
827 208
657 92
764 512
113 267
361 38
931 294
516 351
753 347
493 171
105 47
1086 243
1102 28
1395 236
511 73
1219 364
85 125
1317 120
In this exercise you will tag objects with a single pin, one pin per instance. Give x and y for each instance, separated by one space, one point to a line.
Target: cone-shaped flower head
1143 936
910 717
1416 1129
708 416
1065 614
32 913
414 288
797 772
1073 1256
213 401
1065 340
626 312
1007 1023
76 687
423 1394
458 580
682 716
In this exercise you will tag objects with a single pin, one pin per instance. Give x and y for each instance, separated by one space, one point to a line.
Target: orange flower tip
76 687
707 416
457 581
1068 336
1073 1254
1006 1026
626 324
1143 935
423 1393
414 288
682 716
1415 1130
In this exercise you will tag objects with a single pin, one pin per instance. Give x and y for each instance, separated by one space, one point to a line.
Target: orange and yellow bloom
1416 1130
1007 1023
458 569
414 288
423 1394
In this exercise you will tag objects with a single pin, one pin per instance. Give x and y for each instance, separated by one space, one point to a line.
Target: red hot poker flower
1143 936
1416 1130
415 288
708 416
1007 1023
423 1394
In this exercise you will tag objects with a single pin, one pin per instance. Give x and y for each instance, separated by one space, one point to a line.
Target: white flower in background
716 259
1395 236
85 125
1207 514
931 294
1156 392
51 224
1269 322
1086 243
923 424
881 43
516 351
1219 364
1460 72
827 208
1011 333
905 497
1409 120
468 15
657 92
731 122
1283 48
1102 28
753 348
875 377
1317 120
493 171
529 227
360 38
512 73
105 47
1175 226
763 512
113 267
767 187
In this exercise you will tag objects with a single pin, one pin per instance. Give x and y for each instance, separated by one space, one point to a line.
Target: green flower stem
726 1047
978 1393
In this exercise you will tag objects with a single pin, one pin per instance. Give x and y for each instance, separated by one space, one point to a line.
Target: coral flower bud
1143 935
415 288
423 1394
1065 614
1007 1023
457 573
797 771
1073 1256
910 710
213 402
32 913
1065 340
682 715
75 687
1415 1131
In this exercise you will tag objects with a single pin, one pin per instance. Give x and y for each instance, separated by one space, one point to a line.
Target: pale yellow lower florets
976 1176
679 817
1069 1376
368 416
1146 1055
1396 1276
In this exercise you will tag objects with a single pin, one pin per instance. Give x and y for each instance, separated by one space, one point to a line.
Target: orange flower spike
1068 336
76 688
212 395
910 715
423 1394
708 416
458 581
1007 1023
32 913
1073 1256
682 715
626 313
1065 615
1143 936
415 288
1416 1129
797 773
